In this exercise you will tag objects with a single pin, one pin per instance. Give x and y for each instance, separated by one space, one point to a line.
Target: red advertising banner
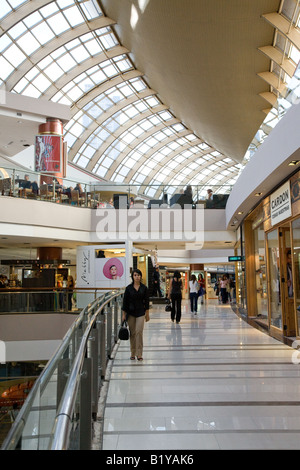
48 153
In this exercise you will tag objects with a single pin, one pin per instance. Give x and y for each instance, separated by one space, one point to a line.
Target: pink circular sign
113 269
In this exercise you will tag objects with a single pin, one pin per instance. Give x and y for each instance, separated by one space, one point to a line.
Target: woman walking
223 285
201 283
136 312
194 287
175 295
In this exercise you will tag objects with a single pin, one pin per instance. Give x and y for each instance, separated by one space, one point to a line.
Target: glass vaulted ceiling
66 51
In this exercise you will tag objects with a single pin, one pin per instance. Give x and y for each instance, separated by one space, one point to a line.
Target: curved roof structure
161 92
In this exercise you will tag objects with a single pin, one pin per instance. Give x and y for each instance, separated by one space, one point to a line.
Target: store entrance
281 298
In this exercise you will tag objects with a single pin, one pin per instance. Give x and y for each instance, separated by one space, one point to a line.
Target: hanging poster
48 153
109 272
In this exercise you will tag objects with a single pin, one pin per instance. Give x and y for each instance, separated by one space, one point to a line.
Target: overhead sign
280 204
235 258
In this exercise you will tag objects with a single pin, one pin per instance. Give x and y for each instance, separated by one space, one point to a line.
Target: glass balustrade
62 405
38 186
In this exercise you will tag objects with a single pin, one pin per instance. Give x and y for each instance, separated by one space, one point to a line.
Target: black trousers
176 307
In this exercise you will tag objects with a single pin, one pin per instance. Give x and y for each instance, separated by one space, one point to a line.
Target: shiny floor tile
211 382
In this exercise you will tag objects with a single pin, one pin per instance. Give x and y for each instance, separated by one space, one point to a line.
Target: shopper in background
201 290
223 286
194 288
176 296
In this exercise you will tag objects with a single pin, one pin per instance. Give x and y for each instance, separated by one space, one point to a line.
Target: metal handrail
61 434
146 192
14 434
68 398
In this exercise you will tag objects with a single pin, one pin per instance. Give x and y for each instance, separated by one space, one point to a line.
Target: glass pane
260 270
274 279
296 241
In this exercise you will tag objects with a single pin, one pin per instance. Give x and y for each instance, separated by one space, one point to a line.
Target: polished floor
211 382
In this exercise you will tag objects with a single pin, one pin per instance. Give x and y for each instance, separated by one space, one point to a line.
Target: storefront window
296 242
274 279
260 273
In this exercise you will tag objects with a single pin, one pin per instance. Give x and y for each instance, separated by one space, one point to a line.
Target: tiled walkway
211 382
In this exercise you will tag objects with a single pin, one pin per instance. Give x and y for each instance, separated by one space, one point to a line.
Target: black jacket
136 302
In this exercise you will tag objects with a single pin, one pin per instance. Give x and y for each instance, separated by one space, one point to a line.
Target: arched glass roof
66 51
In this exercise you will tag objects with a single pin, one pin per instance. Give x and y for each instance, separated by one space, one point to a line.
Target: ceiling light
240 212
257 194
294 162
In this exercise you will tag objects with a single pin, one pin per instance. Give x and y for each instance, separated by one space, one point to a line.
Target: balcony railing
47 299
43 187
61 407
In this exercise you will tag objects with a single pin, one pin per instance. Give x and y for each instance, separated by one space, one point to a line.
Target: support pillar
53 127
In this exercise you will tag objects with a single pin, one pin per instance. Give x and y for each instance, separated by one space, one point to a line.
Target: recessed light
294 162
240 212
257 194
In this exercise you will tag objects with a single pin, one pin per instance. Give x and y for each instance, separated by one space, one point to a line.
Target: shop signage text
280 203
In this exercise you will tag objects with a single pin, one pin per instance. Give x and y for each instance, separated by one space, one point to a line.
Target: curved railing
59 411
104 194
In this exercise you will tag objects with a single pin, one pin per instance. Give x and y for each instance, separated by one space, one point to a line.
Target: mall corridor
212 382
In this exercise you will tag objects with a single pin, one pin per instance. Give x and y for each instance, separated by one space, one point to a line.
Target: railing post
115 310
102 338
85 437
93 354
109 331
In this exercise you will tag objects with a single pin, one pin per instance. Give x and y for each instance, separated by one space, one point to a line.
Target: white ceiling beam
269 97
274 81
278 57
285 27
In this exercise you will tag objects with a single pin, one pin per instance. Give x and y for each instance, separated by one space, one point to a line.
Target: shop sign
236 258
280 204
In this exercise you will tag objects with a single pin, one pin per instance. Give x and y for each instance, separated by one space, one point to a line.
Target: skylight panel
165 115
16 3
14 55
138 84
89 152
5 9
41 83
141 106
17 30
83 162
64 3
5 67
146 125
91 9
109 41
5 41
32 91
49 9
58 24
32 19
80 54
66 62
28 43
166 151
43 33
152 101
74 16
178 127
124 170
54 72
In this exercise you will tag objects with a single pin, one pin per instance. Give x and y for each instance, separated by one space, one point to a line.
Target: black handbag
168 308
124 331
